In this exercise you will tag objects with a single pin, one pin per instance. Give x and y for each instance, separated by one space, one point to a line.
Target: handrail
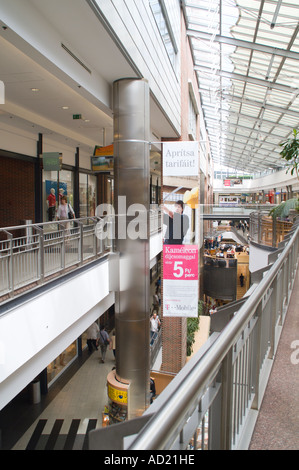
169 419
32 253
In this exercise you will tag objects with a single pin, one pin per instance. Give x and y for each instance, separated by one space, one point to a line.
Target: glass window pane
92 195
83 194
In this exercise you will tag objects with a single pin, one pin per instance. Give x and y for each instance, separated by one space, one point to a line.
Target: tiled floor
83 398
277 426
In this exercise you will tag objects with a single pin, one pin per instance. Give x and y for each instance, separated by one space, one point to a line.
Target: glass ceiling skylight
246 57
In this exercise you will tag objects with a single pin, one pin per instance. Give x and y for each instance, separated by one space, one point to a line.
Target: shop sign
180 158
102 159
106 151
118 396
52 161
180 280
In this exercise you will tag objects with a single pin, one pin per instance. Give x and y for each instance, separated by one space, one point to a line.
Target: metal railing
34 253
209 404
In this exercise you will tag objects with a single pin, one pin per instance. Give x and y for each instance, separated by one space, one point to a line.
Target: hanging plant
290 152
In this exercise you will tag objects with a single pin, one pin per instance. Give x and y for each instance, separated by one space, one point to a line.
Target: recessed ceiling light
86 120
34 89
65 107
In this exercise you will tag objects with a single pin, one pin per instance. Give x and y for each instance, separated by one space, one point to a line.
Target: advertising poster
180 158
180 252
180 280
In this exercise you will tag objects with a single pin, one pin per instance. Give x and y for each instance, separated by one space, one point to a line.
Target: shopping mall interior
149 234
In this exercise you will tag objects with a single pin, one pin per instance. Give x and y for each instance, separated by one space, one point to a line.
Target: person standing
51 203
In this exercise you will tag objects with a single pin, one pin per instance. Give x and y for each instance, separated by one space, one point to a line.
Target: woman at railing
65 210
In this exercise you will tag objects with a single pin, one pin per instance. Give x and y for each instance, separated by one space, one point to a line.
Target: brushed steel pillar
132 179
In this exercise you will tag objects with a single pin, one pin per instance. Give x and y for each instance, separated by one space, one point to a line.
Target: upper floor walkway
253 332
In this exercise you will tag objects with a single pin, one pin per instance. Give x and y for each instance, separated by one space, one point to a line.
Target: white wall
258 258
15 140
135 26
35 333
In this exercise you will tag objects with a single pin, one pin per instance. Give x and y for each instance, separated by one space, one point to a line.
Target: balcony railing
267 231
33 254
212 401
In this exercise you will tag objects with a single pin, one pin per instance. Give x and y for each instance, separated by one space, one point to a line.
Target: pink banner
180 262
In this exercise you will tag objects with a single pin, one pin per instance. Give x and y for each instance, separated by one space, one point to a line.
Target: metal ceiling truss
246 61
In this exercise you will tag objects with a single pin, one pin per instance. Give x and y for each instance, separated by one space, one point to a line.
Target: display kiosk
118 399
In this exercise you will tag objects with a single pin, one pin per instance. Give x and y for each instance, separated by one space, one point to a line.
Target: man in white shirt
155 325
92 335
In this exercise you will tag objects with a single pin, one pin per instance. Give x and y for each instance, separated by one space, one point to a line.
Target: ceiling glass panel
246 60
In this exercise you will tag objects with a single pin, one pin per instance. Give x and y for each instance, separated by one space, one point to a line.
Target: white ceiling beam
241 43
248 79
259 104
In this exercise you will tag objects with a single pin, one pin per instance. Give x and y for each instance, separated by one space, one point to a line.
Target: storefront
63 184
87 194
75 349
17 180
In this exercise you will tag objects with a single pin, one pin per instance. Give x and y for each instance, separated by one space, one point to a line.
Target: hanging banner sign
102 159
180 280
180 158
52 161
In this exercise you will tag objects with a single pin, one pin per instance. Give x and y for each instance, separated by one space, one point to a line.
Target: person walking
92 336
103 341
154 326
65 210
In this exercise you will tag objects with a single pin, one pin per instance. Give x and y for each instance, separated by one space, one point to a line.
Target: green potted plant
290 152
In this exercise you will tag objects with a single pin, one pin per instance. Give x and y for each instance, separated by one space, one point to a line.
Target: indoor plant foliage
283 209
290 152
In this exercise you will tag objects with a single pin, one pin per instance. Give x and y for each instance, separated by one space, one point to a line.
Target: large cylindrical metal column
132 178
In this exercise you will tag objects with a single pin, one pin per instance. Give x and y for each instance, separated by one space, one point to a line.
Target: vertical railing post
226 402
41 255
81 246
258 352
63 248
10 265
274 308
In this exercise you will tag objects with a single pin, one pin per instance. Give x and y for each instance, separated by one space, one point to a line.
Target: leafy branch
290 152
